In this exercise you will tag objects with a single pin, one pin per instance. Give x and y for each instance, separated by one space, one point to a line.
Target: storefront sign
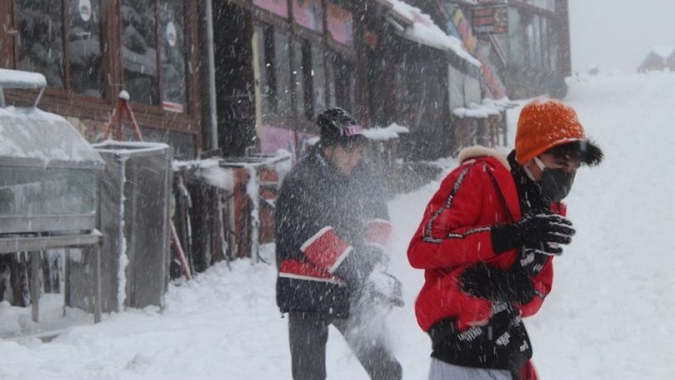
278 7
308 13
340 24
492 19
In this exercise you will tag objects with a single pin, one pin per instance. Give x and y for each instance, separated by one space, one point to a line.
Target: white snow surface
610 315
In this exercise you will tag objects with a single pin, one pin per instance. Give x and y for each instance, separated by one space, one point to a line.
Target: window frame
98 109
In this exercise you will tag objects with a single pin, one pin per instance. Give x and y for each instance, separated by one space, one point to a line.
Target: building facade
277 63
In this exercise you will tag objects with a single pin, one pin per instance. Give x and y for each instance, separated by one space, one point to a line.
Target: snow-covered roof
423 30
32 137
663 51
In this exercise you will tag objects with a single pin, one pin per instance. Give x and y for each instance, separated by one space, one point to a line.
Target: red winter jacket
455 233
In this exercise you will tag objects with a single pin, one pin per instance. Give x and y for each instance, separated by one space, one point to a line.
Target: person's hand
384 286
544 228
360 264
533 231
494 284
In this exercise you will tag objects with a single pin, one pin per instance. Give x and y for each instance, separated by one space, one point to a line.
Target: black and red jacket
486 189
321 219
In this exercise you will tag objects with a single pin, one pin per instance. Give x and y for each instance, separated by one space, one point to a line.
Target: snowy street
609 316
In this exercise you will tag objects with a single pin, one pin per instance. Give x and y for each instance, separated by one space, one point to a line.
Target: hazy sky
618 34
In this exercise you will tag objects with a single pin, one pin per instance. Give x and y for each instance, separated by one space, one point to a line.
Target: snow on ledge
384 134
479 111
21 79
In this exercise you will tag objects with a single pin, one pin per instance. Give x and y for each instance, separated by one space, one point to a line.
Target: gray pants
308 334
444 371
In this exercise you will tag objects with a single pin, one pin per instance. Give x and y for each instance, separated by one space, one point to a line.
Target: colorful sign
308 13
464 29
492 20
340 24
278 7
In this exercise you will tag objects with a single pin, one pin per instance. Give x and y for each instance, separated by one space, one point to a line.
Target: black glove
532 231
485 281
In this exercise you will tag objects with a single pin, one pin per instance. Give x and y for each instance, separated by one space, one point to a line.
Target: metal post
211 72
97 285
35 285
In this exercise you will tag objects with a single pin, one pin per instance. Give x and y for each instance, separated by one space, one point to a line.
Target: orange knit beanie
543 124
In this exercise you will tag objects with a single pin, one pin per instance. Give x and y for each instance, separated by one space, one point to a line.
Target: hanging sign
308 13
278 7
492 20
340 24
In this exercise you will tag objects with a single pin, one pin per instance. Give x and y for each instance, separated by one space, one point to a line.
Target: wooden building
660 58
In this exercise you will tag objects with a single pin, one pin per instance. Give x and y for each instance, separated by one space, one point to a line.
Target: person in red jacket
487 241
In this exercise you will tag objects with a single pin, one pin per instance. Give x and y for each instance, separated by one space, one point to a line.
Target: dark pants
308 334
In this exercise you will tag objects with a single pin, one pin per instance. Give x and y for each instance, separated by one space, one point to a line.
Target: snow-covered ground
610 316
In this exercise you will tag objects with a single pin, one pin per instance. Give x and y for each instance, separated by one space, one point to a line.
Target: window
318 73
85 57
174 92
310 78
139 50
63 41
282 74
299 71
265 45
41 39
153 47
275 74
345 82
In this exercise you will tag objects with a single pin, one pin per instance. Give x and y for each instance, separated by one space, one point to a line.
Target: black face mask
555 184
